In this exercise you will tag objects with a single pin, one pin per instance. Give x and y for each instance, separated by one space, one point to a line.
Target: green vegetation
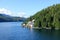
48 17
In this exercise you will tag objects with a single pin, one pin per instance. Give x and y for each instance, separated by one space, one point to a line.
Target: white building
30 24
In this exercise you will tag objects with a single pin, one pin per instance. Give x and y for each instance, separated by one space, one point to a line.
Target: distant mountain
8 18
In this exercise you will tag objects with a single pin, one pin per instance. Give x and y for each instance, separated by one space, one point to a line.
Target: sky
24 8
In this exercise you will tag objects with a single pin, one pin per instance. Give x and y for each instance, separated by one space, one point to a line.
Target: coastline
49 28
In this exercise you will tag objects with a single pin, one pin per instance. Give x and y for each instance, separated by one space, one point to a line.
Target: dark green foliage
48 17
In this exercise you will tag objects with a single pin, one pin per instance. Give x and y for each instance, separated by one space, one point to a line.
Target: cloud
5 11
8 12
21 14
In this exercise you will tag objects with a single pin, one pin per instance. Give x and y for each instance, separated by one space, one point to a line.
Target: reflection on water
48 34
15 31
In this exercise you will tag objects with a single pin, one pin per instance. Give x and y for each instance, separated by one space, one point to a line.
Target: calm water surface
15 31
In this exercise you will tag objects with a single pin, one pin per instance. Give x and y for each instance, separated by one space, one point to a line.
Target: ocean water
15 31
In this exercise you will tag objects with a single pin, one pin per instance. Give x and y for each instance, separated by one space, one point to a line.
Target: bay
15 31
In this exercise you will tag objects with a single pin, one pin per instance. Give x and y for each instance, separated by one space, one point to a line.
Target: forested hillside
48 17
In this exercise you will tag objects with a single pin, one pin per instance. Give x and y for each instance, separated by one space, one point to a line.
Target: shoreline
49 28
